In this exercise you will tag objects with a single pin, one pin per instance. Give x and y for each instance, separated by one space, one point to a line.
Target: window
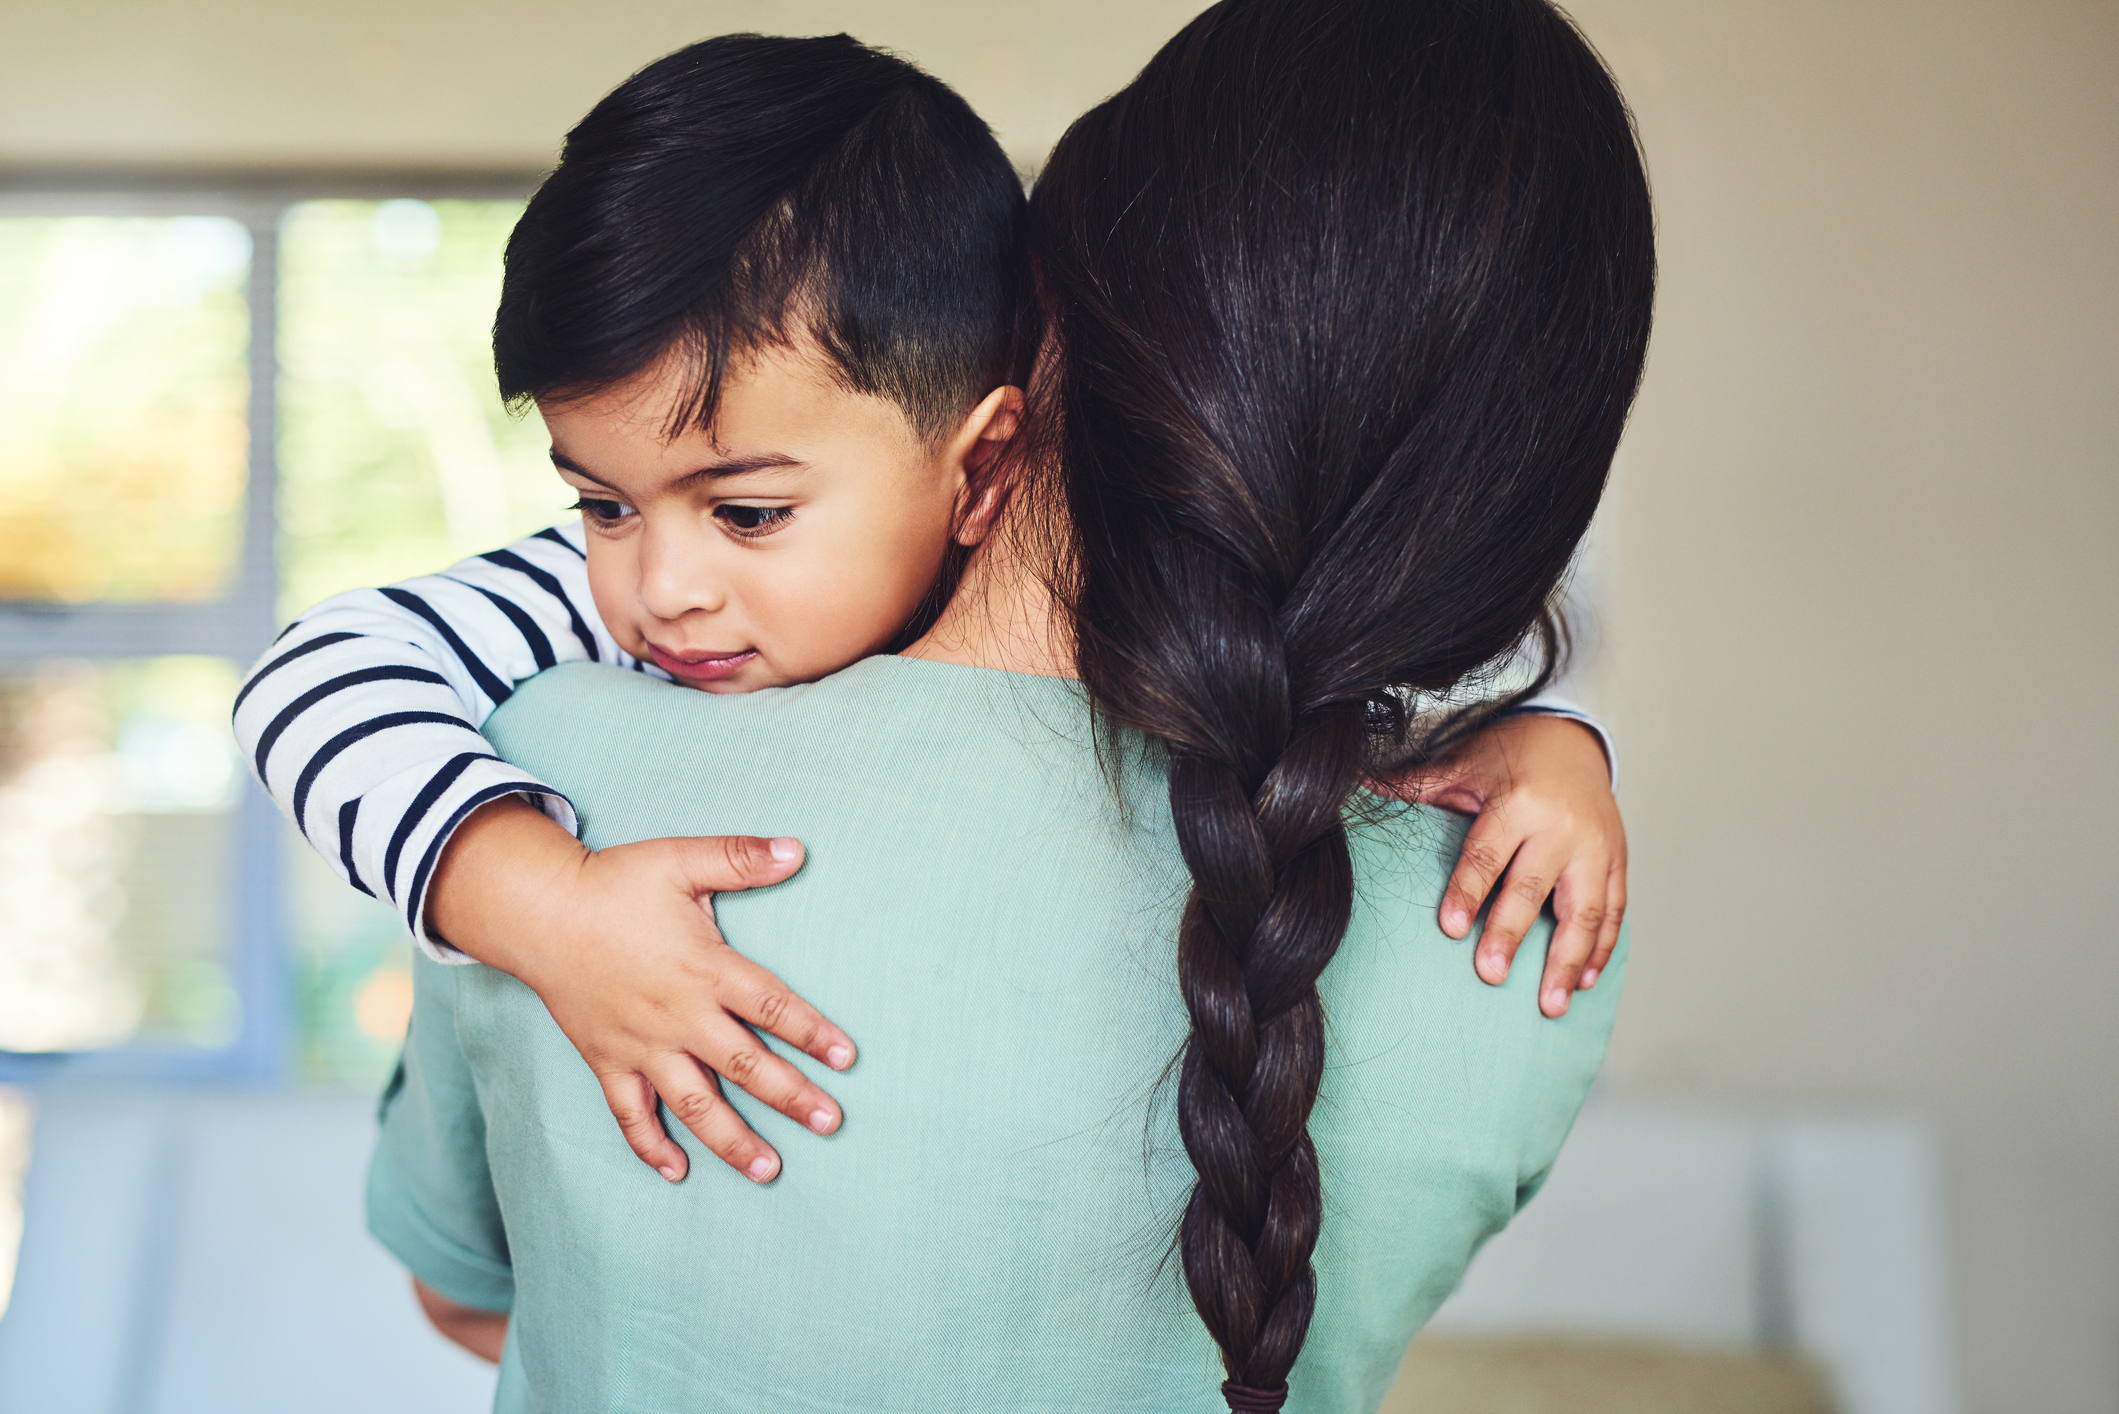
216 407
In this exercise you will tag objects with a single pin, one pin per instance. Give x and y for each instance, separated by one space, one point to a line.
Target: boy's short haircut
748 190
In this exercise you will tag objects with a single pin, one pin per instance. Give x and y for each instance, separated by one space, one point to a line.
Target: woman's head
1346 306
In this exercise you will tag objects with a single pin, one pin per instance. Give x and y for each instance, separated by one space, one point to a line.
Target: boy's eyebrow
566 463
737 466
713 471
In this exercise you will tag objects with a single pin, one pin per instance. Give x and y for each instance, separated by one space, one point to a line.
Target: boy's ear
979 446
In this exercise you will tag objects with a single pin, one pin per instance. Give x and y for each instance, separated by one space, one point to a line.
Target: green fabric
993 923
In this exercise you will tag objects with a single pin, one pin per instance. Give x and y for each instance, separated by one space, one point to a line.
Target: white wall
1865 570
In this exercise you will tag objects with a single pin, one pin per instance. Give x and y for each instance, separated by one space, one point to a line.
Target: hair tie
1246 1400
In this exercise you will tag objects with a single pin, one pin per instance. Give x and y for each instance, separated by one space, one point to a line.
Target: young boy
811 252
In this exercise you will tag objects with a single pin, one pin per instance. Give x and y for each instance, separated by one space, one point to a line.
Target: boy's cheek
611 586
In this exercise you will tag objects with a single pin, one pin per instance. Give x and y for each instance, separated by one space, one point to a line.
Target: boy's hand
621 946
1542 791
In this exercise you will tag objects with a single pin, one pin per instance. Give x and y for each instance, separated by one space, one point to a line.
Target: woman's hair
748 183
1346 305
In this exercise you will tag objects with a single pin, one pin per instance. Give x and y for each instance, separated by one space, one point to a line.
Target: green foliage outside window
123 387
396 457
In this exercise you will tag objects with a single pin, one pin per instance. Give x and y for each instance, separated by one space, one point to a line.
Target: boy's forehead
778 390
779 405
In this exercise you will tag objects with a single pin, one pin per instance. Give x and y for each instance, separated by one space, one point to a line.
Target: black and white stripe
362 720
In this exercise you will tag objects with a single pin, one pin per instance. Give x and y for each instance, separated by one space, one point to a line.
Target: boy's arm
362 720
1552 704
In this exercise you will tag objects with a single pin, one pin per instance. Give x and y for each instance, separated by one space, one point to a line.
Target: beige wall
1864 613
1865 570
483 82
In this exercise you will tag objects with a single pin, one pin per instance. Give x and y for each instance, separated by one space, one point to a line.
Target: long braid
1346 304
1273 888
1262 757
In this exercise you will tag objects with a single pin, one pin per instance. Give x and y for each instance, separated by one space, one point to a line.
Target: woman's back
991 1228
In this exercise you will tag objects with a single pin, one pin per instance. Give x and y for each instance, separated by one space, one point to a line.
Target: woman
1345 308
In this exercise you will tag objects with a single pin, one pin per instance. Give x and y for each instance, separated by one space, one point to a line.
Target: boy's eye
609 512
754 520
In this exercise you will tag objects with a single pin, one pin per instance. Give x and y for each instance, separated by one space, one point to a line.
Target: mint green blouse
992 920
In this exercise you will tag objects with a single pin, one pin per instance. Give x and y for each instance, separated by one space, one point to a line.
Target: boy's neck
1002 615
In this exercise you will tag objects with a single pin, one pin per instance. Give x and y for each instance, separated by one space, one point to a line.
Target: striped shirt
362 720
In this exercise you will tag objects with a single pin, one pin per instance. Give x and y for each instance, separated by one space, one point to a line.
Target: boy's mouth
702 667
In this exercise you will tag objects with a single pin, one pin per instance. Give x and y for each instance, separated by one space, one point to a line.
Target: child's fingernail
839 1057
784 849
1556 999
761 1168
1589 979
667 1172
820 1120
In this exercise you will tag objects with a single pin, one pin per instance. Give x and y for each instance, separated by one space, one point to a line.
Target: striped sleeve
363 720
1551 704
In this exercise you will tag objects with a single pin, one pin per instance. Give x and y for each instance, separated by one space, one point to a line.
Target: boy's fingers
739 1057
1514 911
632 1102
694 1098
762 999
1580 914
717 863
1614 916
1485 854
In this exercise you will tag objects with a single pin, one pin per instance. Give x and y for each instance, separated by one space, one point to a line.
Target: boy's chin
756 678
729 686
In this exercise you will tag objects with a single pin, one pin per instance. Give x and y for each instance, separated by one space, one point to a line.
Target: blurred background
1851 610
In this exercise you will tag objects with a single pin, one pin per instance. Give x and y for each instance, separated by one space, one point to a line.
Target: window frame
242 622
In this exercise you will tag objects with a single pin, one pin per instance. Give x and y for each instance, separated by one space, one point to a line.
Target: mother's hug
1340 310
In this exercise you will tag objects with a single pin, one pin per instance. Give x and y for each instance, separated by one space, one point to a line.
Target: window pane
118 786
122 389
396 457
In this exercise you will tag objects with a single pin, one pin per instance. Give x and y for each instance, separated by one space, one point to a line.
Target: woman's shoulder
615 699
888 739
1427 1023
1403 857
1401 847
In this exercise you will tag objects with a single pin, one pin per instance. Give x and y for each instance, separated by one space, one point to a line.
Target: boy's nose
677 575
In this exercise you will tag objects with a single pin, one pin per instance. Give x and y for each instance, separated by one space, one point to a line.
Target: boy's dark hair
748 189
